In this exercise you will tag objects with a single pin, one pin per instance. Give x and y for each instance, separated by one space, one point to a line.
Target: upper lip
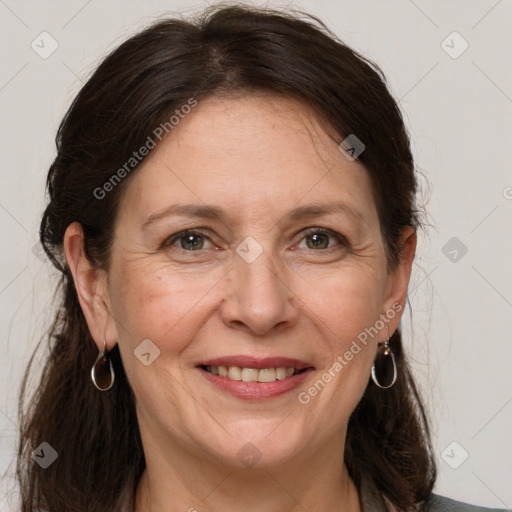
256 362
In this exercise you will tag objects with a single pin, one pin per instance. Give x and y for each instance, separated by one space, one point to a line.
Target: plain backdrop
448 63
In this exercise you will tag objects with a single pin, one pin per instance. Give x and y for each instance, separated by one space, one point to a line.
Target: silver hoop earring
102 371
384 370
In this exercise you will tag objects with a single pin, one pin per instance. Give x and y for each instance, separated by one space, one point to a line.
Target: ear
91 287
398 279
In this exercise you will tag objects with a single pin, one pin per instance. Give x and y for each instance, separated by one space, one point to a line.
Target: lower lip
256 390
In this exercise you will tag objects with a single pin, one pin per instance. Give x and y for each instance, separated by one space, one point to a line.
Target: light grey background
459 113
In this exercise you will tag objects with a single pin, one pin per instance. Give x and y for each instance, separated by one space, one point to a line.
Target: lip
255 390
256 362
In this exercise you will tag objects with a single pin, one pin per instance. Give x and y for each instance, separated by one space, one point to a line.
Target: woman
232 208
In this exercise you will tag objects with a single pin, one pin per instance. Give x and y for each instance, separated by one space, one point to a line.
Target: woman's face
256 285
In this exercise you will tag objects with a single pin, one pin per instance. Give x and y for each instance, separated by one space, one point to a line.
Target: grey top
371 501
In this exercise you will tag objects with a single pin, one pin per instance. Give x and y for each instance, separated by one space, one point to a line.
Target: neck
176 479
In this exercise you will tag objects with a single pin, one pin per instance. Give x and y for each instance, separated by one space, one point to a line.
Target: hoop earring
384 370
102 371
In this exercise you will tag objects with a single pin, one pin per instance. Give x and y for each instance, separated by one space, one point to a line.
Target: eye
318 238
188 240
194 240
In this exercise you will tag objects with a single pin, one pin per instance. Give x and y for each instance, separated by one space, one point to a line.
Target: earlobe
91 289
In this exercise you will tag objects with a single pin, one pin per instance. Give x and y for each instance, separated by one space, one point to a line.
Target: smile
252 378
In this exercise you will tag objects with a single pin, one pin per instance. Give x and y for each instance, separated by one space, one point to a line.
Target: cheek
345 301
345 306
151 302
169 309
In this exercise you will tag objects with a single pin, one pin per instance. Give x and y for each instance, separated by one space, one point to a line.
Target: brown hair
225 51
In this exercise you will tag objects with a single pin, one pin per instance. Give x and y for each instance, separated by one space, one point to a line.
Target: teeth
235 373
267 375
252 374
281 373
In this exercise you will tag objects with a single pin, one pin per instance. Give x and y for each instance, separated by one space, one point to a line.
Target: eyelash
311 231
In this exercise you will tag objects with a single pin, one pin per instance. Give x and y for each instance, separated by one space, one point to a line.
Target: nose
260 298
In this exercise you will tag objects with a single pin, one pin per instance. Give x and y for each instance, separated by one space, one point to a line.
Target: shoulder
438 503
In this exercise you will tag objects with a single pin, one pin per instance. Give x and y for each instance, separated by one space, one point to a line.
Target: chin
258 444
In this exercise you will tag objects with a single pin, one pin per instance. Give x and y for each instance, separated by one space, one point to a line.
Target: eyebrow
214 212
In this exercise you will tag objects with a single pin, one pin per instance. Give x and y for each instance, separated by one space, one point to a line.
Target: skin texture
257 157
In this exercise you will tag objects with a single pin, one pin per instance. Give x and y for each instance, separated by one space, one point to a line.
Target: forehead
251 154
